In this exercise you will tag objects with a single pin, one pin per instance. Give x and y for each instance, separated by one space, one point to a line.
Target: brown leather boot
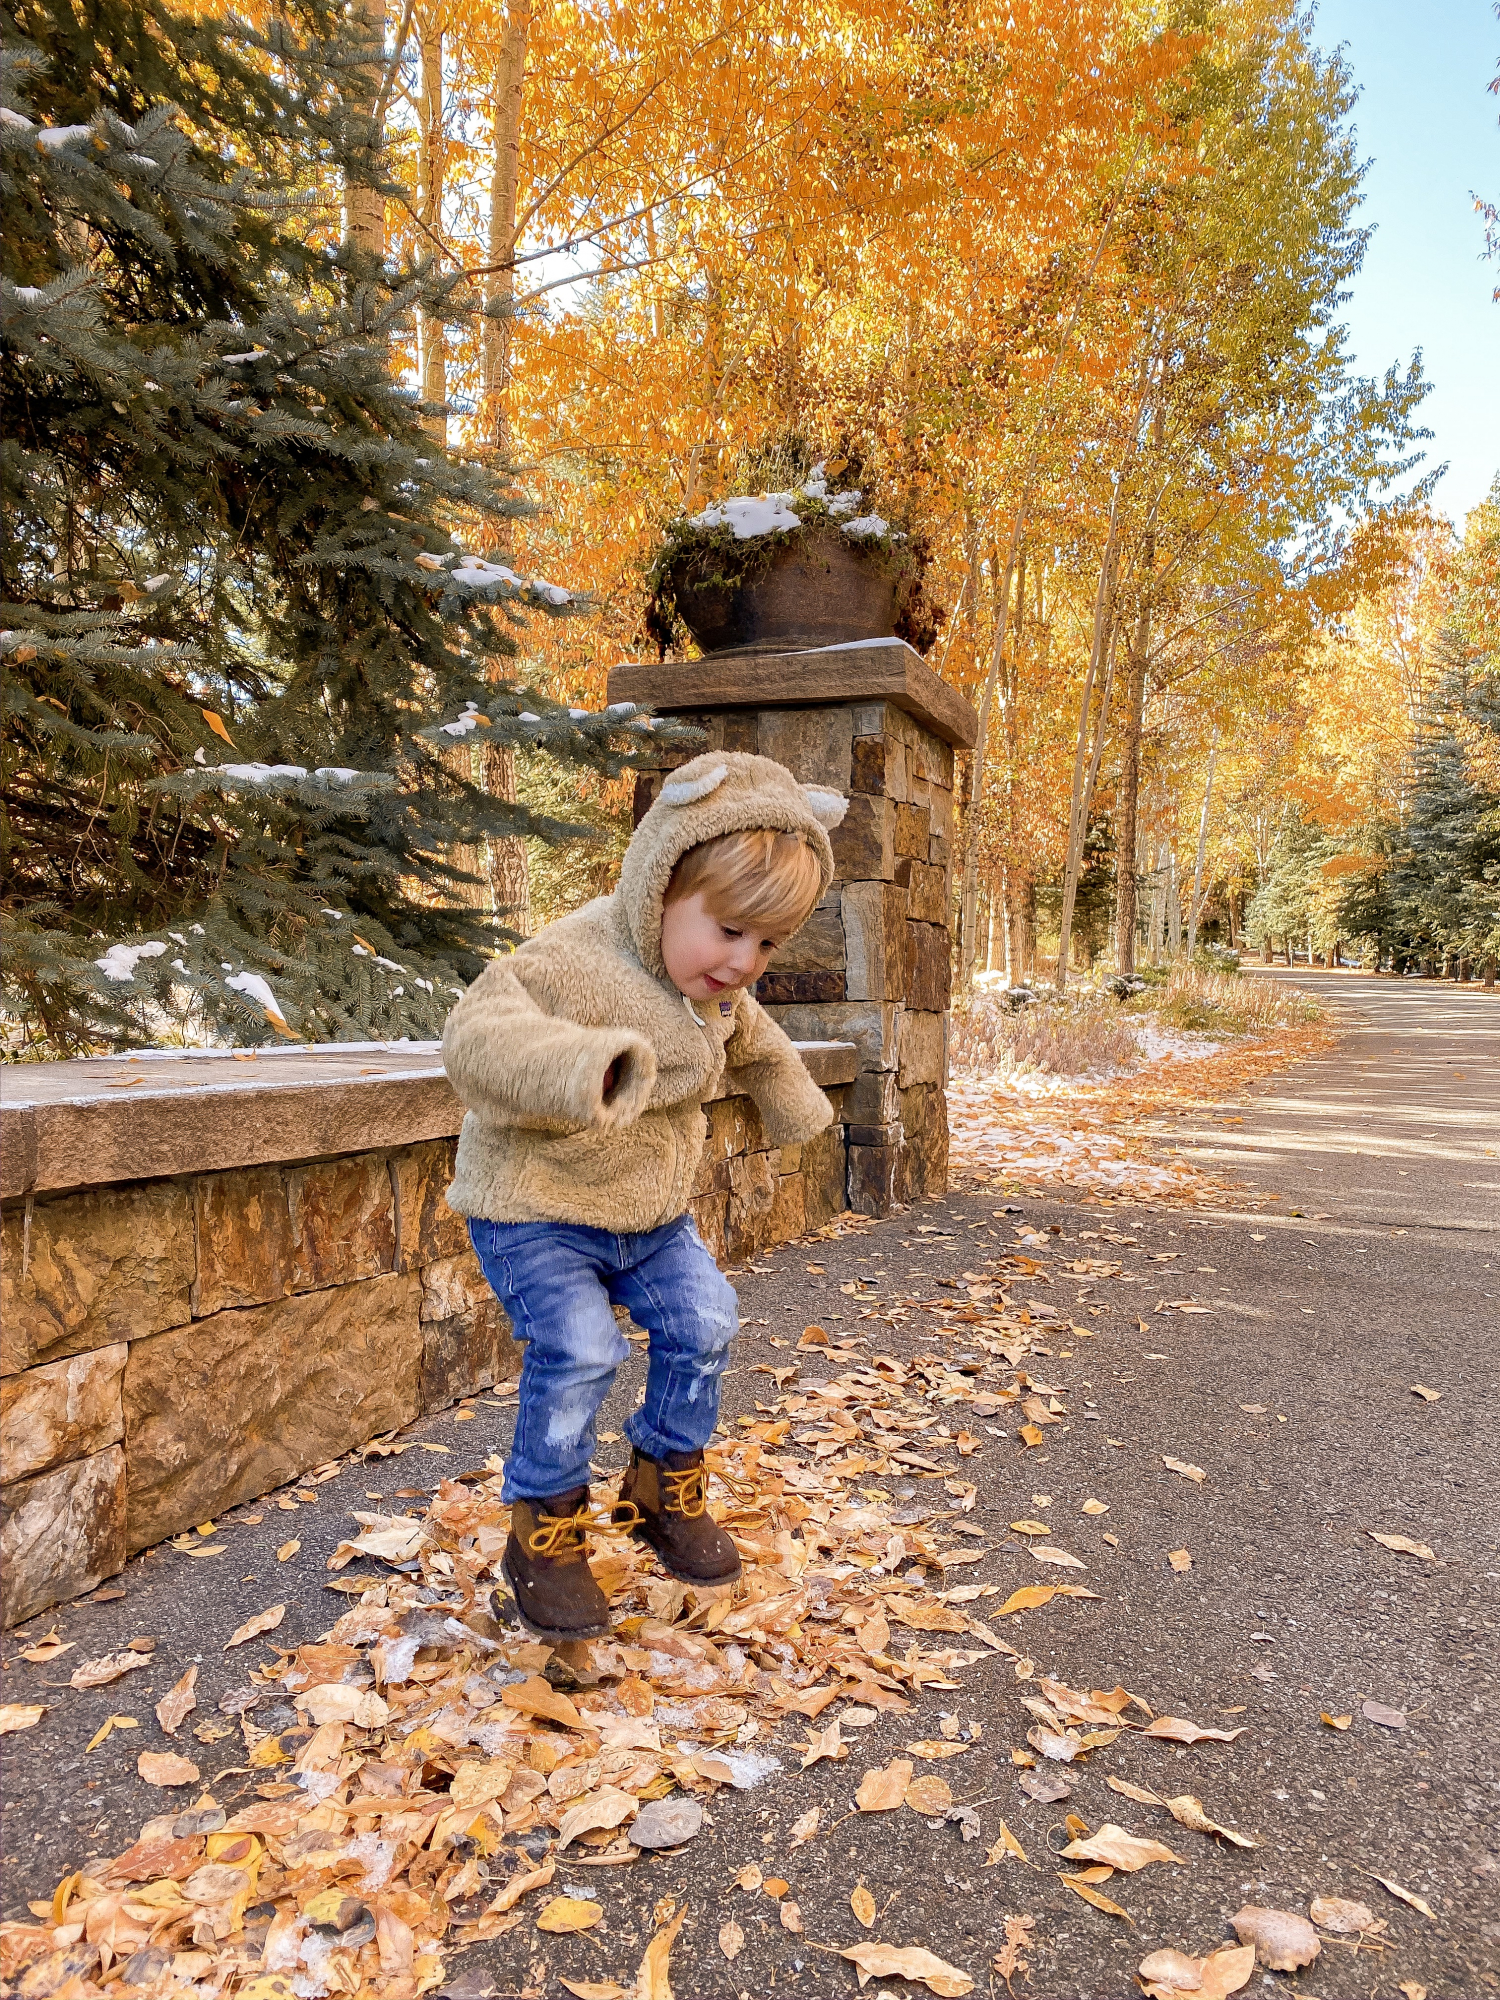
670 1498
547 1569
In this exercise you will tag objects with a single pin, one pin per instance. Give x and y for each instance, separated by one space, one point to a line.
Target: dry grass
1224 1003
1090 1034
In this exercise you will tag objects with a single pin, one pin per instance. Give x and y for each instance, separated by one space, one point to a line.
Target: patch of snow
389 964
748 1768
845 503
254 354
361 951
577 714
55 136
527 716
255 988
620 708
867 524
425 984
156 582
30 293
337 915
257 774
1158 1043
178 966
121 960
14 120
748 517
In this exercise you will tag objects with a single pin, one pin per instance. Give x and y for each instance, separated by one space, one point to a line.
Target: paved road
1293 1393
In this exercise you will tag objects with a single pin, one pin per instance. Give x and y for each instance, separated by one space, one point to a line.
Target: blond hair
753 877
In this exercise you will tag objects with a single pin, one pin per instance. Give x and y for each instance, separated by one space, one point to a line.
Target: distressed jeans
557 1281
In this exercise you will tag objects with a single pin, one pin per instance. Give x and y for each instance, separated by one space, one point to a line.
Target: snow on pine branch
495 580
618 715
749 515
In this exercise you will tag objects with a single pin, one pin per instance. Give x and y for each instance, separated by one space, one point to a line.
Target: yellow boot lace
684 1492
563 1534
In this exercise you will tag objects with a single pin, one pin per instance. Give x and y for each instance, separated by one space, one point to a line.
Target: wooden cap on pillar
862 670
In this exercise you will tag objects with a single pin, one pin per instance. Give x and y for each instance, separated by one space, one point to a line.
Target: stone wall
872 965
172 1346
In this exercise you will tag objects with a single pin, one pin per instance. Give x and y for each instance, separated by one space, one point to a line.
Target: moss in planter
698 554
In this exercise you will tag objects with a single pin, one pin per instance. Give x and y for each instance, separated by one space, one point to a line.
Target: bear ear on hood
827 808
686 791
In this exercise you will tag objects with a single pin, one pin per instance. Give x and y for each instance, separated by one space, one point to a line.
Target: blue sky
1431 132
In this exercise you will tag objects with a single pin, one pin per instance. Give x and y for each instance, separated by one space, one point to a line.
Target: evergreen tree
241 640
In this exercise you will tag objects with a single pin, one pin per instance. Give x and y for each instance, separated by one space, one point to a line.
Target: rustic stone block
870 718
939 851
61 1533
429 1228
913 831
246 1249
930 988
924 1153
752 1195
875 1135
218 1412
873 1098
864 845
940 805
790 989
872 1178
814 743
469 1352
93 1269
710 1214
875 941
867 765
819 945
63 1410
736 731
788 1210
869 1024
453 1285
824 1176
928 893
343 1221
923 1046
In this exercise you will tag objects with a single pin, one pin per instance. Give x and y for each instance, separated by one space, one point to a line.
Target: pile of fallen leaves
1088 1137
426 1767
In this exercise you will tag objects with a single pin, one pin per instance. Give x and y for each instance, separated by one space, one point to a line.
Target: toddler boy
584 1058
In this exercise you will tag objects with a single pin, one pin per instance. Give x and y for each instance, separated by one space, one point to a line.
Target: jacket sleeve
763 1062
515 1064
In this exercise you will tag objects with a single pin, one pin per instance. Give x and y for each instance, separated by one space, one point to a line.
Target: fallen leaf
774 1887
1428 1396
177 1703
884 1789
667 1822
536 1697
1091 1895
336 1701
908 1962
863 1905
806 1825
1402 1544
791 1918
1030 1435
604 1808
1030 1528
1045 1786
1388 1718
934 1748
1095 1507
522 1885
1060 1746
1009 1960
652 1981
565 1914
1412 1989
48 1647
1337 1721
288 1550
108 1667
1175 1729
1119 1849
928 1795
731 1940
165 1767
749 1878
1403 1895
593 1989
1058 1556
1283 1941
107 1729
1006 1844
1193 1472
1185 1809
1179 1559
1166 1975
263 1621
1030 1595
1337 1913
823 1743
18 1715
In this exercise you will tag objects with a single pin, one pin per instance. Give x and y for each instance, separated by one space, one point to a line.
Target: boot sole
686 1575
557 1635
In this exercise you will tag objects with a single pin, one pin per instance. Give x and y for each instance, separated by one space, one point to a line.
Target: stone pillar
872 965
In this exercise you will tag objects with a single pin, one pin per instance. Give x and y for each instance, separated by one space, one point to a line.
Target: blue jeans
557 1281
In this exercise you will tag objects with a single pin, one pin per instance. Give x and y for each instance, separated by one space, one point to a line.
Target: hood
723 791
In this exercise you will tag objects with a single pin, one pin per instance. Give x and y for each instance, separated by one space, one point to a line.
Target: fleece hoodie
528 1047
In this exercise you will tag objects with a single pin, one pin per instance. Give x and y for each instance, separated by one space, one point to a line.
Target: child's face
706 955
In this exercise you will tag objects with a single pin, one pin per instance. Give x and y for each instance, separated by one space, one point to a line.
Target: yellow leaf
1193 1472
18 1715
731 1940
884 1789
1091 1895
863 1905
652 1981
565 1914
288 1550
216 724
107 1728
165 1767
263 1621
1337 1721
1006 1844
877 1961
1402 1545
1403 1895
1180 1560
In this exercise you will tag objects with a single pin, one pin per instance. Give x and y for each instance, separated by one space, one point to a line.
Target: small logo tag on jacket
726 1006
